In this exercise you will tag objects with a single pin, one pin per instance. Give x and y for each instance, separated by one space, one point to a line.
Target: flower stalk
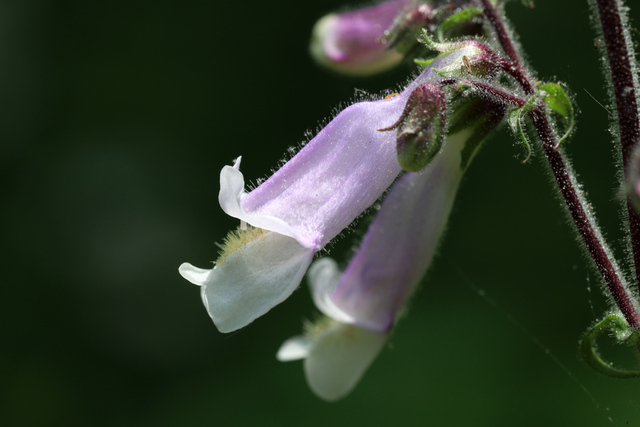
565 179
621 69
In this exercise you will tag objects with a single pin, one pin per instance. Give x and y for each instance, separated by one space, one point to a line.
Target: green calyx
421 127
614 325
416 149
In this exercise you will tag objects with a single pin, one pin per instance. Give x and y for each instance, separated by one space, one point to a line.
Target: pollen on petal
236 239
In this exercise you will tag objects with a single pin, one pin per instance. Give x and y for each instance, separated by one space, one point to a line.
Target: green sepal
421 128
515 122
556 100
457 18
442 73
429 42
515 118
618 326
413 153
423 63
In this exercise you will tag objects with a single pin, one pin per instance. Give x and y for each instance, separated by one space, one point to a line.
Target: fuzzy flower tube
362 304
306 203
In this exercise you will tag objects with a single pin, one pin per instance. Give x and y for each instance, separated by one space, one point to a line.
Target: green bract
556 100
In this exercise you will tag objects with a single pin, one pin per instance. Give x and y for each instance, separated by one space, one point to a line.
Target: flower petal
230 197
323 277
400 242
251 280
195 275
340 173
339 357
335 177
294 348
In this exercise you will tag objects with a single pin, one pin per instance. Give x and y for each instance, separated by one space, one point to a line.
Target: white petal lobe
295 348
339 357
230 199
253 279
195 275
323 277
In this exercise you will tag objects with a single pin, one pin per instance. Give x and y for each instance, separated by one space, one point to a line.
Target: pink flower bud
352 42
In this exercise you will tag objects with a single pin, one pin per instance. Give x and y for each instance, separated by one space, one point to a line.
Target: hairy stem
503 97
508 48
586 226
620 66
567 184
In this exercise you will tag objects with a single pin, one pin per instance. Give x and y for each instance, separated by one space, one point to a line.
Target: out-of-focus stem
624 90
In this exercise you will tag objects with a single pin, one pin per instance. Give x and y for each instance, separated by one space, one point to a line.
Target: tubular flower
342 171
362 304
352 42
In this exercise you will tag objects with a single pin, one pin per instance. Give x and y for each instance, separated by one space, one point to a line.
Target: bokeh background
115 120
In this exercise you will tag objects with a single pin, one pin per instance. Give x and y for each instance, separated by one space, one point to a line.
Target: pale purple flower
301 207
305 204
352 42
364 301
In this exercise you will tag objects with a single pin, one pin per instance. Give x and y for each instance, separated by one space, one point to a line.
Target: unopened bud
476 58
404 31
421 127
352 42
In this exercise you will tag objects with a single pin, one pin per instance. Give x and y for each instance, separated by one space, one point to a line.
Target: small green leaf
557 101
529 105
515 122
430 43
588 345
457 18
423 63
514 117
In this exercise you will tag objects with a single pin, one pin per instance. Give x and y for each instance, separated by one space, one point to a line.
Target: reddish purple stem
626 104
563 176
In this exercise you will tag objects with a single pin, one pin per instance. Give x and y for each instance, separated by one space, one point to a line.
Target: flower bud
352 42
404 32
475 58
421 127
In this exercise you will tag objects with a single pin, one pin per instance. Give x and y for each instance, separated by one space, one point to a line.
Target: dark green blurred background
115 120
